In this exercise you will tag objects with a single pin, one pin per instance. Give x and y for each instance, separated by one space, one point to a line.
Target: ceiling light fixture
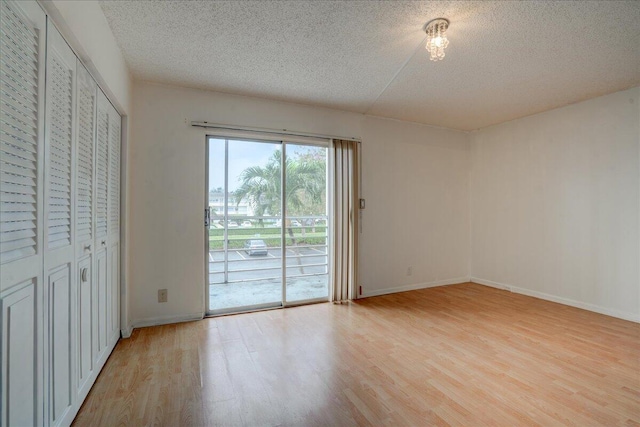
437 38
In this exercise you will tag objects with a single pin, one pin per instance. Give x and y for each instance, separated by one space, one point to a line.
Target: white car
255 247
232 224
246 223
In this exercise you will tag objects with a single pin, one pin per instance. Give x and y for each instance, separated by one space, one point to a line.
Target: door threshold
306 302
247 309
255 309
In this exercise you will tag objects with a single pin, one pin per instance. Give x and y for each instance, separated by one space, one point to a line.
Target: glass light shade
437 38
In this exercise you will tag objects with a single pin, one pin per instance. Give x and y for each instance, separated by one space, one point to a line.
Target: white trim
632 317
166 320
126 332
491 284
413 287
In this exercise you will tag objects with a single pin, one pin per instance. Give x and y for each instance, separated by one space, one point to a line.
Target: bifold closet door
113 251
59 269
102 297
86 327
22 75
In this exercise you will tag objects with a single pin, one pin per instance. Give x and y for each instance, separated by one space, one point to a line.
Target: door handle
104 243
87 247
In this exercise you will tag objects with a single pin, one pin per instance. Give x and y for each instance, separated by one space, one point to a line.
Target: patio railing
231 262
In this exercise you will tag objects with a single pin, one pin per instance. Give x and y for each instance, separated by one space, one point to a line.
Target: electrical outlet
163 295
410 271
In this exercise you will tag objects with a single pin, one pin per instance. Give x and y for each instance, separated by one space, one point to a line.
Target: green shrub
271 236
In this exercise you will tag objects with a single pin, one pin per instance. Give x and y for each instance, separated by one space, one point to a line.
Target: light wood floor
455 355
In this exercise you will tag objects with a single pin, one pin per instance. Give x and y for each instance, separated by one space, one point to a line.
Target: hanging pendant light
437 38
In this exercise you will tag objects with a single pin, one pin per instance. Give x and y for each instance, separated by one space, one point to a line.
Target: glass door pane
306 234
216 196
245 203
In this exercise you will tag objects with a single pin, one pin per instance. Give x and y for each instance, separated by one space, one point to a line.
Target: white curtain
345 219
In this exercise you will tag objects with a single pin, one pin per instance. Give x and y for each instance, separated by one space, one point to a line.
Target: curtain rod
208 125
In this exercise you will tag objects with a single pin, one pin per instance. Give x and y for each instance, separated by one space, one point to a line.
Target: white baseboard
491 284
126 332
165 320
413 287
633 317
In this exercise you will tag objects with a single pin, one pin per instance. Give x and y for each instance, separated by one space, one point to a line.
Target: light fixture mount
437 41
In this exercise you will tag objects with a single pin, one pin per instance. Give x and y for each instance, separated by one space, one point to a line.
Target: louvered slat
16 225
84 183
12 236
17 205
18 74
59 172
17 146
114 172
20 107
17 62
102 169
18 127
18 136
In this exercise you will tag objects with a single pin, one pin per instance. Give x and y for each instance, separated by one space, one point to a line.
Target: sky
242 154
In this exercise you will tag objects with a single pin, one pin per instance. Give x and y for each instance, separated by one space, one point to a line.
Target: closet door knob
87 247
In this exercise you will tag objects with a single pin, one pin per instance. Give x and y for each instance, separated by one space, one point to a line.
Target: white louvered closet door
86 326
102 222
22 75
59 271
113 253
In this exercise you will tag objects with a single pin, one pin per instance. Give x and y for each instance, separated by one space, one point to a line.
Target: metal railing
237 262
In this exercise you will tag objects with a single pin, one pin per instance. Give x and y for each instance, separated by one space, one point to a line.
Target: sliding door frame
283 140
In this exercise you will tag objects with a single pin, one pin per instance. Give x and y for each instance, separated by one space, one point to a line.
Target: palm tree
305 185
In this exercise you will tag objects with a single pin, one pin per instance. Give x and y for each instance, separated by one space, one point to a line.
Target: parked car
246 223
255 247
232 224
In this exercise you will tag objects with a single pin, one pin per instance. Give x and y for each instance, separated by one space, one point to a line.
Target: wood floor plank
455 355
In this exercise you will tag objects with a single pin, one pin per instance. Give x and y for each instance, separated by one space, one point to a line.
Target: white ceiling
505 59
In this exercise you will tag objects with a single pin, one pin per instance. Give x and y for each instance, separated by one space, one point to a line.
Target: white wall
415 182
85 28
555 205
416 185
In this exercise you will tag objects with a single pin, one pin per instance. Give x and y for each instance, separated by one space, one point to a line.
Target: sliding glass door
306 237
267 224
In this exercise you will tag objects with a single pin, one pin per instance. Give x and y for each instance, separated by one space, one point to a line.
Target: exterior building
216 205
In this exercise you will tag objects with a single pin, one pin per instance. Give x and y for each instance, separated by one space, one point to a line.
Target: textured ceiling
505 59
